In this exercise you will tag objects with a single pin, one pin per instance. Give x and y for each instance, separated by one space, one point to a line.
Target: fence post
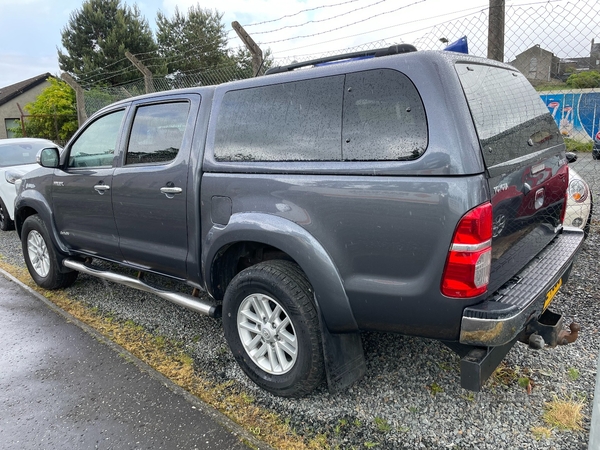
81 115
22 120
148 82
496 30
257 54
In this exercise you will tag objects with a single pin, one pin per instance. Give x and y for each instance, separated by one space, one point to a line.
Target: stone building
15 95
537 64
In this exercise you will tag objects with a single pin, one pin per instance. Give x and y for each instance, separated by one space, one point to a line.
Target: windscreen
21 153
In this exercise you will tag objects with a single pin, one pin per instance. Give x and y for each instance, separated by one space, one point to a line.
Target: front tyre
40 256
272 328
5 222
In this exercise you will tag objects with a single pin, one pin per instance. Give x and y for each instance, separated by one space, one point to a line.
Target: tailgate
524 155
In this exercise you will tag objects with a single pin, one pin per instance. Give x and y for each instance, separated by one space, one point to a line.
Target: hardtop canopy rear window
511 119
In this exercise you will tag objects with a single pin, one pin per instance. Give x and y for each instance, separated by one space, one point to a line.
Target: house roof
14 90
580 63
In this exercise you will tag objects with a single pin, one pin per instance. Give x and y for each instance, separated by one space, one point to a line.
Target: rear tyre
40 256
272 328
5 222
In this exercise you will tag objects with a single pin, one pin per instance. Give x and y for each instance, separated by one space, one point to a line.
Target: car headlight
12 176
578 190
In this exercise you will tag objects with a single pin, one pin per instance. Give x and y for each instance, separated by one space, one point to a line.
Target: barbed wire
287 16
343 26
321 20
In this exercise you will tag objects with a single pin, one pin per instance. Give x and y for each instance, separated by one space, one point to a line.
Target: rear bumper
498 321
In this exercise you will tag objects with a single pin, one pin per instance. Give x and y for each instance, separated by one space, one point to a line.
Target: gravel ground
411 395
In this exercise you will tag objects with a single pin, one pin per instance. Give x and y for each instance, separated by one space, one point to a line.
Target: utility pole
81 115
148 82
257 54
496 30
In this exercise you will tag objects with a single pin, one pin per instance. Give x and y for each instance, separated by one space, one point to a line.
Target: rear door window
157 133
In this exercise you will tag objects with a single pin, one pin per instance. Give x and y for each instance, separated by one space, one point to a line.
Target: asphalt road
65 388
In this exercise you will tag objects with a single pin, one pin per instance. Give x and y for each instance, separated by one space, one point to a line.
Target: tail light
467 270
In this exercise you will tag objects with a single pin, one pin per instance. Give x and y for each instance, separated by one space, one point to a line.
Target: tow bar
549 330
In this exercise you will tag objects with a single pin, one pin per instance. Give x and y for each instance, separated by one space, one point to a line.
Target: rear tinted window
297 121
375 115
384 117
510 117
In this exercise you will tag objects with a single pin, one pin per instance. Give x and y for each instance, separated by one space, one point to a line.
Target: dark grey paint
369 230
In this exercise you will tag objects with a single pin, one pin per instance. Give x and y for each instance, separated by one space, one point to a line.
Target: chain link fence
99 97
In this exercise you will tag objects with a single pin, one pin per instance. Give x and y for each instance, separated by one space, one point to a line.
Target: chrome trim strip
471 248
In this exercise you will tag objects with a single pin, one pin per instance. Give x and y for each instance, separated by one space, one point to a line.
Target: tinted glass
384 118
95 147
510 117
297 121
157 133
15 154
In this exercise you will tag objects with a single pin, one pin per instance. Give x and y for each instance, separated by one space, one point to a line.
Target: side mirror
48 157
571 157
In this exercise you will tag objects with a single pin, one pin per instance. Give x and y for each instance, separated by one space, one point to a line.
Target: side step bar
187 301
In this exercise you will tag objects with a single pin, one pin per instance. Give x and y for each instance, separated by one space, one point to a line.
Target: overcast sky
30 29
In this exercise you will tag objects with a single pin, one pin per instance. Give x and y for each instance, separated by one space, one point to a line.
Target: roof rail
364 54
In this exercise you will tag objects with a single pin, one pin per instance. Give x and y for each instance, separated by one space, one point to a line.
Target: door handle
170 191
101 188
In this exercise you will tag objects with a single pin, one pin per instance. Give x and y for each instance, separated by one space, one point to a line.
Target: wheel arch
247 235
30 203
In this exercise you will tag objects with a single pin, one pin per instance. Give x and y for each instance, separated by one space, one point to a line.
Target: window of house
10 125
533 63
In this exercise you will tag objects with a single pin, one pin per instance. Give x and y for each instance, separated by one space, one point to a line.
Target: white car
17 157
579 203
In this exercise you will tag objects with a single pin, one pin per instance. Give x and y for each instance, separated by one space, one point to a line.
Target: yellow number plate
551 293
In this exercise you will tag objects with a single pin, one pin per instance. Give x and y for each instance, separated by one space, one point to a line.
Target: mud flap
344 359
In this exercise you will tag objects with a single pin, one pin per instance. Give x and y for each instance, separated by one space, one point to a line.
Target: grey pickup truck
401 191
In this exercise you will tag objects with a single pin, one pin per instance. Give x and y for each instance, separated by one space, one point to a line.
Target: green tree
53 114
582 80
242 58
192 41
95 41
